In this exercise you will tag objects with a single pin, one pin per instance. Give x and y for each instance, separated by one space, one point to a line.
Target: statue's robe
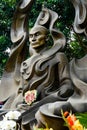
48 76
76 103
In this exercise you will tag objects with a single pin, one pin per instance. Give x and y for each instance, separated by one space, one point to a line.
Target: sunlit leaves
10 2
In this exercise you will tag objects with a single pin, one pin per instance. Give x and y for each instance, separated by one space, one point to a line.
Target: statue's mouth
34 43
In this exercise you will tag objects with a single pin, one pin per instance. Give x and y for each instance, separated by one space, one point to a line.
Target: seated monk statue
46 70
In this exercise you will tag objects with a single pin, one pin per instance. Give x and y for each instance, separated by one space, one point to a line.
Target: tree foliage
66 14
6 12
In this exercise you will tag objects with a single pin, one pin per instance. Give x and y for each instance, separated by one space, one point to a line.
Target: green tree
6 12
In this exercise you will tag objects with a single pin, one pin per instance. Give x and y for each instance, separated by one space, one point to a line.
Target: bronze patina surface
59 84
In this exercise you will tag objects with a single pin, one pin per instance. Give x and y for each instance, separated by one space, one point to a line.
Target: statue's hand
65 92
23 107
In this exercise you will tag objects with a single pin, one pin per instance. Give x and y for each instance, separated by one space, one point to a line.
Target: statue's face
37 36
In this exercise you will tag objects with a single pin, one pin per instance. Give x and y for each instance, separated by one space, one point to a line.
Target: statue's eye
30 35
37 34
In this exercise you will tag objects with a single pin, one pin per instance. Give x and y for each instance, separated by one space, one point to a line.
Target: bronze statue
46 70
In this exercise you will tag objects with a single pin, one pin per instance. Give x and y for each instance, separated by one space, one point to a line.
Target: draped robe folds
78 73
54 76
76 103
46 75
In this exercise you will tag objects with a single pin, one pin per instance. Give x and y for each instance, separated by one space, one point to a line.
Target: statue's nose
33 38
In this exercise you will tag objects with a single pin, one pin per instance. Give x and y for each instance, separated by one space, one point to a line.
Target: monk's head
37 36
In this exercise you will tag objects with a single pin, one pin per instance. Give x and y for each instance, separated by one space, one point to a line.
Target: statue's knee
40 120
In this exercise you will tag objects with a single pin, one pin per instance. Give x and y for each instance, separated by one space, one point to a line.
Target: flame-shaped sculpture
11 79
80 22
